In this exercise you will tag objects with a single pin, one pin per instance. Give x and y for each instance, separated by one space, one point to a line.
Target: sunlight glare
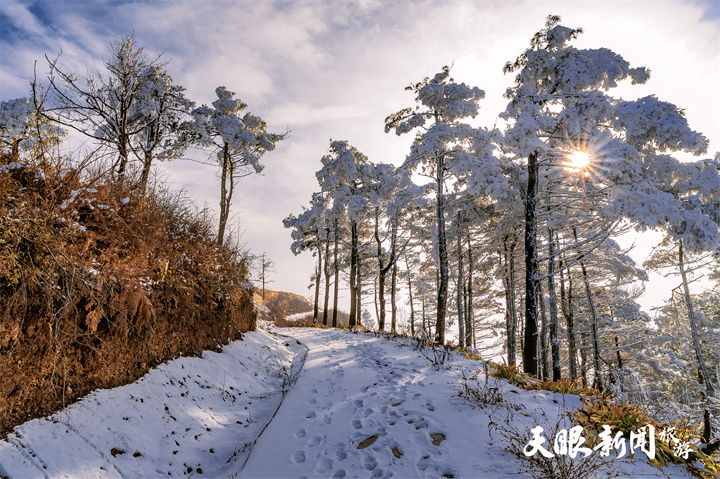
579 159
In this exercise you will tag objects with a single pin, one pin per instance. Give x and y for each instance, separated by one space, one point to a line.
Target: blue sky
336 69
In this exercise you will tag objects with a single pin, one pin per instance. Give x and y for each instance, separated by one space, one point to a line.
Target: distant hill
281 304
283 308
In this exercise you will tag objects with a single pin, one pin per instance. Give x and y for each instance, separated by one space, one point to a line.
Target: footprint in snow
310 415
369 462
396 452
300 432
341 453
323 466
356 423
298 457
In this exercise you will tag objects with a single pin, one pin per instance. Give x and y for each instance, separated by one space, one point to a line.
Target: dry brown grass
98 284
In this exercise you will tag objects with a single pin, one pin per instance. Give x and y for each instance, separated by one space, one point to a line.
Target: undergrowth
99 283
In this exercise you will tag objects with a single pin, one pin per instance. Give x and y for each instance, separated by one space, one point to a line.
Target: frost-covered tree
559 109
163 109
346 176
132 108
445 149
688 263
394 194
310 232
263 268
239 141
99 105
14 117
23 127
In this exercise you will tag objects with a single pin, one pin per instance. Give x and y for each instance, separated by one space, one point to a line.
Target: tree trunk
543 369
593 323
469 298
412 308
424 318
393 301
225 176
510 311
381 272
337 274
377 310
552 306
569 314
459 301
262 276
353 273
530 337
358 293
145 172
442 254
709 390
327 277
123 154
317 282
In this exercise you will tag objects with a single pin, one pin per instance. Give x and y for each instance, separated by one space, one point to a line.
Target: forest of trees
510 234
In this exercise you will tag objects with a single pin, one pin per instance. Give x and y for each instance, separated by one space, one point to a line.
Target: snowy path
362 406
367 407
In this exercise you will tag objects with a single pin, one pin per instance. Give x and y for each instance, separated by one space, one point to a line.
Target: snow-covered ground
359 406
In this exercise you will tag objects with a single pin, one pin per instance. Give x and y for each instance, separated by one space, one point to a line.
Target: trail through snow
305 403
364 407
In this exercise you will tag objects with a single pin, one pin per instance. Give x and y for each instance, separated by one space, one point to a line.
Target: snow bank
191 415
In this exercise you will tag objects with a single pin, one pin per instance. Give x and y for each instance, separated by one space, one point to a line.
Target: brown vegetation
98 284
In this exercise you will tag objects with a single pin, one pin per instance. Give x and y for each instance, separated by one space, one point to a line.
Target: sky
335 69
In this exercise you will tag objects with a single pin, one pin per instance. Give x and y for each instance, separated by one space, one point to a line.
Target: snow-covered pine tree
239 141
557 107
346 176
163 110
445 148
24 128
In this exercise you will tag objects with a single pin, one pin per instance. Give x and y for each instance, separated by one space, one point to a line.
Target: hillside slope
99 283
280 305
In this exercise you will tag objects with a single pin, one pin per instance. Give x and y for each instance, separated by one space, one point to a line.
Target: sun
579 159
